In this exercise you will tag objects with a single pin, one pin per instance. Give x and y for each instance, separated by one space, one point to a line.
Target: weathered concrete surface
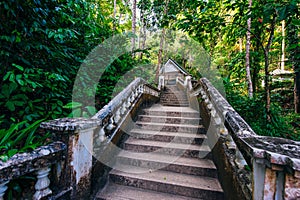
24 163
234 181
274 159
77 167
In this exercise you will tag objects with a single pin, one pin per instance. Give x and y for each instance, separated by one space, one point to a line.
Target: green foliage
253 111
42 46
20 137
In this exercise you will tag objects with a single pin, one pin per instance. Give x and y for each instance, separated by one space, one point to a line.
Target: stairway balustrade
39 162
262 167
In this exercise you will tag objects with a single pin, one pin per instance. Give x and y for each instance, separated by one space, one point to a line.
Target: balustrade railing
40 161
72 155
271 164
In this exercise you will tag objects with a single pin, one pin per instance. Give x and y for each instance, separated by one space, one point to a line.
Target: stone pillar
161 82
78 134
186 82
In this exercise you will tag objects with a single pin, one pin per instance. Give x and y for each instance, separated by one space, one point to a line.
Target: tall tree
247 61
133 26
282 45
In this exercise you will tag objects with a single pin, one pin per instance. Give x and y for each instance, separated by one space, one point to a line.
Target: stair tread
169 159
172 178
169 124
171 117
120 192
160 144
158 107
167 133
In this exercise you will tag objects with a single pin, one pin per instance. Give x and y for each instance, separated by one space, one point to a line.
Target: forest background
254 46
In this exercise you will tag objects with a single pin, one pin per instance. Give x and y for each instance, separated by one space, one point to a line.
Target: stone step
174 149
179 97
169 182
173 96
187 128
120 192
170 111
176 104
176 137
155 161
169 119
174 100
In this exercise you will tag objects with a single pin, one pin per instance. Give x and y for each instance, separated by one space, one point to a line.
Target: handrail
265 155
111 114
39 161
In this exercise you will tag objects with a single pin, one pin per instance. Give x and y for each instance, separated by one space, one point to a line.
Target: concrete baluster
101 135
117 116
42 184
123 109
3 189
110 125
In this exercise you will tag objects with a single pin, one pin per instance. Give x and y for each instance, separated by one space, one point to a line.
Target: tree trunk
241 45
133 25
248 67
143 33
114 16
297 91
267 87
283 45
144 37
160 51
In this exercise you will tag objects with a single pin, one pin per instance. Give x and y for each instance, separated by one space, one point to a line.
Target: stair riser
166 120
172 97
170 128
175 105
169 151
198 171
165 138
165 187
178 98
170 113
175 102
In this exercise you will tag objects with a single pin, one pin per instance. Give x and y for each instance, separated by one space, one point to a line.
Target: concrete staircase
172 96
163 158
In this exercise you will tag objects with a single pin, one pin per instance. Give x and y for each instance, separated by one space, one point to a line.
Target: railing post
78 134
3 189
187 82
161 82
42 184
259 171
